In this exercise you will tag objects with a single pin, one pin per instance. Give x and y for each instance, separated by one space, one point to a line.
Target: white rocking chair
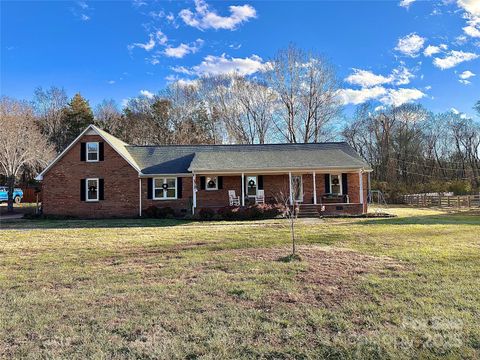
234 200
260 198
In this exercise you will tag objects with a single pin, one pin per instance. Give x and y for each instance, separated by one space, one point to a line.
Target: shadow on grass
24 224
461 218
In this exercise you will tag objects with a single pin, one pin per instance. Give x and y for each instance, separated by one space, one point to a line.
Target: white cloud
472 14
111 82
147 94
217 65
466 74
397 97
465 82
85 17
432 50
406 3
394 97
203 18
157 38
453 58
366 78
183 49
410 45
471 6
352 96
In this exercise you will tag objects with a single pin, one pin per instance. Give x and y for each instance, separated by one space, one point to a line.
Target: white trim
90 127
290 187
165 180
206 183
340 183
194 190
280 171
243 189
361 188
142 175
92 152
139 197
314 188
86 190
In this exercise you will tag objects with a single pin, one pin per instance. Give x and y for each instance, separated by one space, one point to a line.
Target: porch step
308 211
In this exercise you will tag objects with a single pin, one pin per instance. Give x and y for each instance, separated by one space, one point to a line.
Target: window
336 184
92 189
251 185
92 151
164 188
297 187
211 183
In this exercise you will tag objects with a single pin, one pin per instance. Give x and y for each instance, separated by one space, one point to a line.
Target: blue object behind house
17 194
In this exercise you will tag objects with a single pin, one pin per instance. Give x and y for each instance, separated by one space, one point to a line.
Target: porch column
140 196
369 188
314 189
243 189
194 192
361 186
290 186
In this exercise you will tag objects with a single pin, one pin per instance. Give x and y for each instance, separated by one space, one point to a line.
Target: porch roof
177 159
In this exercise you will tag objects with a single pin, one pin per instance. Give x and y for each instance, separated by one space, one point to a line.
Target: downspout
140 196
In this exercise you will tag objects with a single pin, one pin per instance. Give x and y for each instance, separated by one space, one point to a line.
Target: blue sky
389 52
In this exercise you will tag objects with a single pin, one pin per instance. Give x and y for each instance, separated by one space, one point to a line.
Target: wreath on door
211 184
251 183
335 181
165 186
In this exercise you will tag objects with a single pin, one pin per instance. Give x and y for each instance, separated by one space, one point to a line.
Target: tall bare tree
21 142
49 107
307 87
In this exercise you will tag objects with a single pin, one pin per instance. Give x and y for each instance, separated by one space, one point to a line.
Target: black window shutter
83 151
344 184
202 182
100 151
260 182
150 188
220 182
101 189
179 187
82 189
327 183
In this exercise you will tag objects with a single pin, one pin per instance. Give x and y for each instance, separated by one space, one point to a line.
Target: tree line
294 99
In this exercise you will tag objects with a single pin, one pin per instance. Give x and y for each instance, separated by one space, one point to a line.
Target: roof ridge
240 145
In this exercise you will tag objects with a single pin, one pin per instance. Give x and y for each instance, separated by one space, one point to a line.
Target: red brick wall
61 185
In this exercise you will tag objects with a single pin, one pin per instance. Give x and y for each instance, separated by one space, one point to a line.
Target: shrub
206 214
253 212
159 213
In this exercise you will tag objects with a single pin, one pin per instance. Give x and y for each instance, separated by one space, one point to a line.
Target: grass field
403 287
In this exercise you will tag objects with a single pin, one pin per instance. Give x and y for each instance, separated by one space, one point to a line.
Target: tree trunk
11 188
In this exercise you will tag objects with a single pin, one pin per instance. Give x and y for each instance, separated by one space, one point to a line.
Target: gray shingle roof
179 159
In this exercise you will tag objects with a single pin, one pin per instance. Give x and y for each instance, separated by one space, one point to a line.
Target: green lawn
405 287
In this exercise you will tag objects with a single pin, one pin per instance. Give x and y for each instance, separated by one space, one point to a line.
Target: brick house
100 176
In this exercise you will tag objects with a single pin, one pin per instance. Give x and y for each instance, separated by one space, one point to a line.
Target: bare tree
307 87
49 107
287 197
21 142
108 116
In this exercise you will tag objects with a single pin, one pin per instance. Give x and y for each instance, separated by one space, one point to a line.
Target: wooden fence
30 195
426 200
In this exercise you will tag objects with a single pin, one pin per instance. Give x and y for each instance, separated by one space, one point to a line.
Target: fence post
439 200
468 201
458 201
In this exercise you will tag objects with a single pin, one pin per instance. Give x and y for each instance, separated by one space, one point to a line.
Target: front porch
328 192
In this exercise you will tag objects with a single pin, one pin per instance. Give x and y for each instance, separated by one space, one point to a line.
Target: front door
297 188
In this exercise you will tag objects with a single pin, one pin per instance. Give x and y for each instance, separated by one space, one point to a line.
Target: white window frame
86 189
165 180
206 183
93 152
256 185
339 183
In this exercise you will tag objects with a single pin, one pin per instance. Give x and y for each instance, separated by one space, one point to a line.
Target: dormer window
92 151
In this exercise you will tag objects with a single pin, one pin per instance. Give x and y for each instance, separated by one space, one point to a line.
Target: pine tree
77 116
